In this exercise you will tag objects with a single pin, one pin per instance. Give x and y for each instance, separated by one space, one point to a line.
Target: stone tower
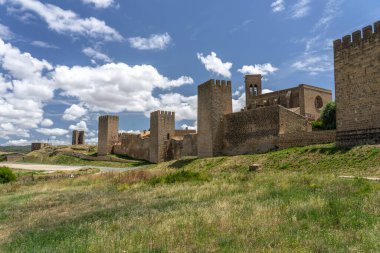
357 86
107 133
78 137
162 129
253 88
214 101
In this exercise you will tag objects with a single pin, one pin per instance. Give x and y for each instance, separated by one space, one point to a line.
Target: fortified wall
357 86
265 122
162 143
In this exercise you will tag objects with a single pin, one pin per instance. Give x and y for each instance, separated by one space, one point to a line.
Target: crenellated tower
357 86
253 88
214 101
162 129
107 134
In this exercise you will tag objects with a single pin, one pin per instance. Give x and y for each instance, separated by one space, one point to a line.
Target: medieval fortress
270 121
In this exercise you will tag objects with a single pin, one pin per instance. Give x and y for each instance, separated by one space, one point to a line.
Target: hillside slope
297 203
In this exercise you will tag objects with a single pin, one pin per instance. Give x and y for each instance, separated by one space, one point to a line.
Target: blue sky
64 63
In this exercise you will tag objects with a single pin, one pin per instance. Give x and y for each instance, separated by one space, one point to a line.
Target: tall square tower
107 133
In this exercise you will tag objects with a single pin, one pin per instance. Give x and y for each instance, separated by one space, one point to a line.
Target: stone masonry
214 101
357 86
78 137
107 134
162 129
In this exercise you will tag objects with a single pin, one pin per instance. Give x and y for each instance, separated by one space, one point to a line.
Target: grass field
297 203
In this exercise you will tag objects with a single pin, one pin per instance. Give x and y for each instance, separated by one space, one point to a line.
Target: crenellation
356 37
346 42
367 32
377 27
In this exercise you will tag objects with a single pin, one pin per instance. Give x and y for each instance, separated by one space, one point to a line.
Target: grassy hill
297 203
17 149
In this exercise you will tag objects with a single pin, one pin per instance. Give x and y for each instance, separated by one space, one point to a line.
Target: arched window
253 90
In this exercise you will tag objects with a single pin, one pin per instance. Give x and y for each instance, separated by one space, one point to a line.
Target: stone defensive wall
256 131
133 146
357 86
301 139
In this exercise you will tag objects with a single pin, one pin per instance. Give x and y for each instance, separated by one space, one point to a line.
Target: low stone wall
358 137
190 145
133 146
301 139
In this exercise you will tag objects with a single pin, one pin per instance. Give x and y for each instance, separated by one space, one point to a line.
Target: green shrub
6 175
327 121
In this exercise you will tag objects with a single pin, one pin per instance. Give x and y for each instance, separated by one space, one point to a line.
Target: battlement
108 117
163 114
217 83
358 37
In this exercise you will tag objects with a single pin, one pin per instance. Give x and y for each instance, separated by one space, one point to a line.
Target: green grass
61 159
297 203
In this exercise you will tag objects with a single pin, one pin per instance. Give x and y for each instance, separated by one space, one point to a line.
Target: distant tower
81 138
214 101
75 137
357 86
162 129
253 87
107 133
78 137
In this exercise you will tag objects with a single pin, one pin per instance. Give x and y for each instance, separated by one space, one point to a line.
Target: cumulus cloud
82 125
22 91
47 123
278 6
99 3
20 142
258 69
52 131
5 33
301 9
187 127
214 64
184 107
95 54
67 21
154 42
115 87
74 112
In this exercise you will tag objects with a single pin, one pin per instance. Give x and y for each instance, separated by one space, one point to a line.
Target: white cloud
214 64
184 107
5 33
265 91
115 87
331 11
22 91
52 131
187 127
301 9
278 6
99 3
67 21
314 64
154 42
258 69
20 142
42 44
74 112
47 123
82 125
95 54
